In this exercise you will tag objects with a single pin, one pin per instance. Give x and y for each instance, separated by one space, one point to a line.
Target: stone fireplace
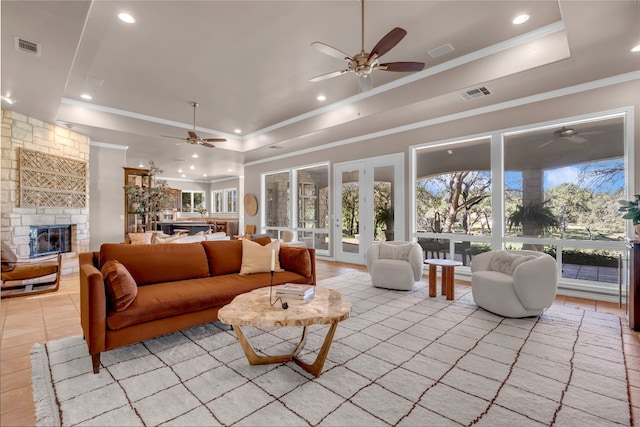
50 239
17 223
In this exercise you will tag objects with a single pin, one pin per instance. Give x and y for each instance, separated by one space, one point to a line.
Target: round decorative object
250 204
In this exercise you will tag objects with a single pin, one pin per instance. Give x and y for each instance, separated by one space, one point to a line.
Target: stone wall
21 131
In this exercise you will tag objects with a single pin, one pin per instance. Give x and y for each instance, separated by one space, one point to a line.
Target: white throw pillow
394 251
141 238
257 258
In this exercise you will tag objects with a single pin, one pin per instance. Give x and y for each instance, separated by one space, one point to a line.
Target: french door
368 205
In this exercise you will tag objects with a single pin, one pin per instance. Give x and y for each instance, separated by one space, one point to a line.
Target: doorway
368 205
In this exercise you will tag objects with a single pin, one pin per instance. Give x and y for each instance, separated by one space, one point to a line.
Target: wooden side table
448 274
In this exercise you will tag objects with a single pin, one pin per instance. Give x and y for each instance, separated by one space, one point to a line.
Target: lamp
273 268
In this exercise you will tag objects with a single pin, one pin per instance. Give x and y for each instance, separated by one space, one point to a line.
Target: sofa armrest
482 261
93 304
416 260
536 282
372 254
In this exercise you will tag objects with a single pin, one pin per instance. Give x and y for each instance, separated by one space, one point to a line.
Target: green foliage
535 214
631 209
151 199
596 258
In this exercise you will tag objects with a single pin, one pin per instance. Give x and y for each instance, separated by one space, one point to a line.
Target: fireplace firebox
49 239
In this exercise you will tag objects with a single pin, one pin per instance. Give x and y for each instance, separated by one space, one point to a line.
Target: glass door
368 205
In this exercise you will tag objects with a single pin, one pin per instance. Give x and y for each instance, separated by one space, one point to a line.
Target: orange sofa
176 286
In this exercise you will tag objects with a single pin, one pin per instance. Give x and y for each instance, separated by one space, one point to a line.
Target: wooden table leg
443 280
432 280
448 273
315 368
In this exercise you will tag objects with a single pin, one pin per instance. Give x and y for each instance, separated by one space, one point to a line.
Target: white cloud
559 176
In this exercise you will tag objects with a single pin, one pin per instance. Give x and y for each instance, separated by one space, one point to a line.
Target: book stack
295 291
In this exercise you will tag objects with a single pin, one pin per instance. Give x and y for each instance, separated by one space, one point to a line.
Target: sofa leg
95 361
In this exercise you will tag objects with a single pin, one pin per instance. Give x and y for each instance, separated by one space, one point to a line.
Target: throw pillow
140 238
257 258
295 259
394 251
8 258
120 286
506 262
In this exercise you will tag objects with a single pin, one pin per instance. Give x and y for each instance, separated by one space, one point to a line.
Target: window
192 201
550 188
305 210
225 200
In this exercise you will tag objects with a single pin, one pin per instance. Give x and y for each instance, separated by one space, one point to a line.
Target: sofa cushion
262 240
120 286
257 258
295 259
224 256
165 300
158 263
8 258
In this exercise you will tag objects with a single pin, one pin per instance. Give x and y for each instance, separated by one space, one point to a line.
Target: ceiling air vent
26 46
441 50
475 93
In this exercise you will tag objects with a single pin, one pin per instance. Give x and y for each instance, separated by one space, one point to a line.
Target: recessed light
520 19
140 165
8 100
229 170
636 48
86 96
321 98
179 170
237 130
184 176
125 17
449 151
192 167
194 155
204 175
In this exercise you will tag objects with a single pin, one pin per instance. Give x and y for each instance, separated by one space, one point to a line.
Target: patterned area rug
401 359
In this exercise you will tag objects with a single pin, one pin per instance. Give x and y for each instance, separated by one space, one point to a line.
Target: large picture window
551 188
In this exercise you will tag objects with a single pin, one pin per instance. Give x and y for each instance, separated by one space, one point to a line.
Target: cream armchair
394 265
514 283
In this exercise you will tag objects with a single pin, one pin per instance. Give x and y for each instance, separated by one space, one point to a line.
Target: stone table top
442 262
253 309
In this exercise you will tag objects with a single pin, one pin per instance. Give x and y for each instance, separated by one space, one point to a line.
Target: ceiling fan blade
577 139
328 75
546 143
214 139
331 51
402 66
366 83
174 137
206 144
387 43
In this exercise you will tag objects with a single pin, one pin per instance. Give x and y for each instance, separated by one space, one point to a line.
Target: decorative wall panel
51 181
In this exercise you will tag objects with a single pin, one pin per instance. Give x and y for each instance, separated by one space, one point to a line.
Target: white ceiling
248 64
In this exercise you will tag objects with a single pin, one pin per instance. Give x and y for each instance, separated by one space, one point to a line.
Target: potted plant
630 209
149 201
384 218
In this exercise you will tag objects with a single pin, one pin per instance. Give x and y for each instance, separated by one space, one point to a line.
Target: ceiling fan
569 134
363 63
192 137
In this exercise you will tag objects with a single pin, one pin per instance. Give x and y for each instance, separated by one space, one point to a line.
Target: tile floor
46 317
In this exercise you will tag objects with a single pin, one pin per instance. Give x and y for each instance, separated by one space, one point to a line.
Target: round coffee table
448 266
254 309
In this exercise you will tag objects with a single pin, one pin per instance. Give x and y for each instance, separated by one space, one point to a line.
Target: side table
448 267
